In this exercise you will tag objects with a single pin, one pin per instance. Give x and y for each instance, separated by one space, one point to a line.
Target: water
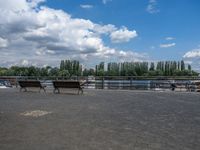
116 83
120 84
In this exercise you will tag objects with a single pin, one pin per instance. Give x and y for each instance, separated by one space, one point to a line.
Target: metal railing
121 82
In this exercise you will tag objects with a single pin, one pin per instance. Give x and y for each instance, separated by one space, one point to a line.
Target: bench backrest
66 84
30 83
197 83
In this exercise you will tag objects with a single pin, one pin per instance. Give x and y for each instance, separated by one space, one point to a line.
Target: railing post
102 82
131 81
87 81
95 82
16 81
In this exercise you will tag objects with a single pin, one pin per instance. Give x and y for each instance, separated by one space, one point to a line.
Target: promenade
99 120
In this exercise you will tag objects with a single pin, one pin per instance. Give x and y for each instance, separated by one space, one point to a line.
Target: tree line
161 68
70 68
67 68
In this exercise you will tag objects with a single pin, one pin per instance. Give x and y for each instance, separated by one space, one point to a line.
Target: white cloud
122 35
167 45
14 5
129 55
20 5
25 62
106 1
169 38
86 6
152 7
34 3
45 36
193 57
41 52
3 43
192 54
188 62
104 29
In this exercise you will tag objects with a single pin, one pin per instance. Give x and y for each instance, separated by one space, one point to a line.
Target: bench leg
80 89
43 89
25 90
56 89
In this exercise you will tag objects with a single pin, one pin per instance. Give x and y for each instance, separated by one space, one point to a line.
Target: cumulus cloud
122 35
152 7
193 57
42 35
86 6
129 55
41 52
167 45
20 5
34 3
192 54
25 62
3 43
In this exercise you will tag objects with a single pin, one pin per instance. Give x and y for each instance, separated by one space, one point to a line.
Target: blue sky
106 30
175 18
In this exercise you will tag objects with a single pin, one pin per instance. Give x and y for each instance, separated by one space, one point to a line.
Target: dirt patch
35 113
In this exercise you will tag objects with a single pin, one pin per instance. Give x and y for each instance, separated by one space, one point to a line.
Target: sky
43 32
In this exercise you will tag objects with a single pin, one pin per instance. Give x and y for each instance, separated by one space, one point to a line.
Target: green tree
100 69
189 67
64 73
152 67
182 65
62 65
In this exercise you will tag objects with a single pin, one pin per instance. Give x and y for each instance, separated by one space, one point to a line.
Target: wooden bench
31 84
160 85
197 84
194 86
67 84
181 86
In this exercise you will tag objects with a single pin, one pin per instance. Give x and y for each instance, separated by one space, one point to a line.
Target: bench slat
67 84
28 84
